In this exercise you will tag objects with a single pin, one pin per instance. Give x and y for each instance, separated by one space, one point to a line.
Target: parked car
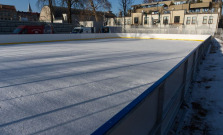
34 29
83 30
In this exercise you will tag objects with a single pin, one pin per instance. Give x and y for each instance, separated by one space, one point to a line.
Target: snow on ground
74 87
204 114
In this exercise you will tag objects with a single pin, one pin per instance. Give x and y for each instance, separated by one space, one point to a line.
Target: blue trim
116 118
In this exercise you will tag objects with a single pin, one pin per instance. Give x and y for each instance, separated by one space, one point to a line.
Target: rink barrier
153 112
41 38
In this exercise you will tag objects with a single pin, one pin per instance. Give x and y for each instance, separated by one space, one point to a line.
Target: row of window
194 20
127 21
197 10
180 2
155 5
177 20
146 20
189 20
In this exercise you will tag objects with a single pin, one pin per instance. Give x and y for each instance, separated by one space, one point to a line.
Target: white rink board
74 87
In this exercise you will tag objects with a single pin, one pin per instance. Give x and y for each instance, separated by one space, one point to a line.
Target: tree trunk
124 9
94 10
51 10
69 19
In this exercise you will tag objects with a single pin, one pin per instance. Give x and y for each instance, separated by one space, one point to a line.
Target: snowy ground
204 114
74 87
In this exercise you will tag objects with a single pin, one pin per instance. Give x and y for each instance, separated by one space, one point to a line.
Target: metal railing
154 111
169 30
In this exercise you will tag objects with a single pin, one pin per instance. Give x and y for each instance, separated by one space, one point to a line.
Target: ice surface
74 87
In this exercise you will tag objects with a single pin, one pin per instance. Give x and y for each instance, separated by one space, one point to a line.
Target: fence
172 30
7 27
153 112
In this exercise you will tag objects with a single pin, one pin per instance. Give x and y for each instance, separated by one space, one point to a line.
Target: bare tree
125 5
96 5
50 3
70 4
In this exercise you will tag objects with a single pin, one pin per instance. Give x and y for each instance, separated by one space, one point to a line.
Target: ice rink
74 87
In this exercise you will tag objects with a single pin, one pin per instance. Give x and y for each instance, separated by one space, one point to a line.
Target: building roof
7 7
28 13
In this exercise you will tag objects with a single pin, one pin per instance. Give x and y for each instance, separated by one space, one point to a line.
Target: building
28 16
8 12
202 14
60 15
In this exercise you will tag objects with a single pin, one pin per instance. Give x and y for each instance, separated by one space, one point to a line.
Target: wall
156 16
29 38
139 15
179 7
199 23
177 13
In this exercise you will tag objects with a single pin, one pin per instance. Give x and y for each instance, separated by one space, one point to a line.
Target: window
194 19
136 20
191 10
180 2
165 20
166 12
205 9
119 22
176 19
205 19
154 21
177 3
125 21
188 20
155 12
128 21
210 21
197 10
146 20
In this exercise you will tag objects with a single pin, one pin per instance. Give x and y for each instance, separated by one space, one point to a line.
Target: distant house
60 15
195 14
28 16
8 12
